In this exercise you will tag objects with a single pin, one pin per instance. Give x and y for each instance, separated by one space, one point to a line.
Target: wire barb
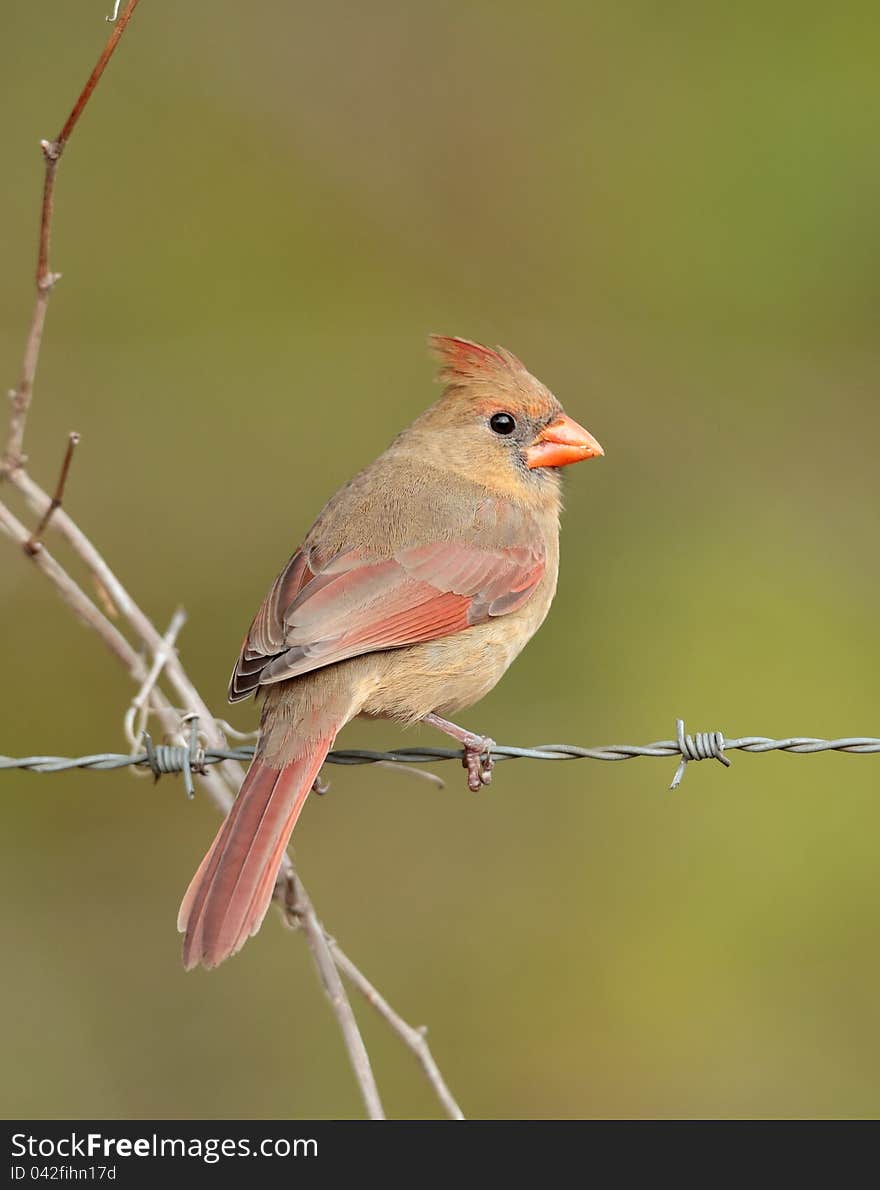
705 745
175 758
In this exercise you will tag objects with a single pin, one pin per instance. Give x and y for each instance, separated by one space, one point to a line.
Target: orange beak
561 443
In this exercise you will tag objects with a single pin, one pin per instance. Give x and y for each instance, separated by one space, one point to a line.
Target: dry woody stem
34 543
153 659
52 150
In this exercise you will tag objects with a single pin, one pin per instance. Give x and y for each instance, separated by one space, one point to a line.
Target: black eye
502 423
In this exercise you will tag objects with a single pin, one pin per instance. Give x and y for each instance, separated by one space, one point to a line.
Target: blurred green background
670 213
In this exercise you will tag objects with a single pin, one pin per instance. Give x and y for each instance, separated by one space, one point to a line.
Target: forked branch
223 780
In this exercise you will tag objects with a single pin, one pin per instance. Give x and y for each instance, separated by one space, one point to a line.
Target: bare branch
414 1039
130 611
95 77
52 150
298 905
34 543
74 596
136 716
223 781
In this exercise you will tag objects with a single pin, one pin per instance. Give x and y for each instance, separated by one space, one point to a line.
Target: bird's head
499 423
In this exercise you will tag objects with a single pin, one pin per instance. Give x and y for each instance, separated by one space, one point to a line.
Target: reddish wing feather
265 637
351 607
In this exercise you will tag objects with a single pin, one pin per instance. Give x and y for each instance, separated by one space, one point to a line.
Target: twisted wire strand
191 758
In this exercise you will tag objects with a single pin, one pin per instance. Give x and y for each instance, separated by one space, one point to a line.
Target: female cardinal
413 591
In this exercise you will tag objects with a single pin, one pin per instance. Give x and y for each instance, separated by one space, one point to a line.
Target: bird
416 587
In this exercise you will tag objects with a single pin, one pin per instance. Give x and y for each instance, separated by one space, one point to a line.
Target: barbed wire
193 758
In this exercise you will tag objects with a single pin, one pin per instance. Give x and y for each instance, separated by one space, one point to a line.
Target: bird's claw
478 761
319 786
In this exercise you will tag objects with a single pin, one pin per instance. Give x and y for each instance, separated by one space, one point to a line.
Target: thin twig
130 611
34 543
414 1039
139 707
95 77
75 597
298 905
13 456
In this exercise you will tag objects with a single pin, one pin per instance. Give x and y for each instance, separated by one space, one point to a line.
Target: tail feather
228 897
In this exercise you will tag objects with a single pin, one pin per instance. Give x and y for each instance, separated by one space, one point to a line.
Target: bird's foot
478 761
319 786
477 751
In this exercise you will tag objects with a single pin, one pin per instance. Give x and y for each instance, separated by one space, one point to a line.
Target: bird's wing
315 615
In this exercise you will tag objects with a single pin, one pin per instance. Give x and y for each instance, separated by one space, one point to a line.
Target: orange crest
463 360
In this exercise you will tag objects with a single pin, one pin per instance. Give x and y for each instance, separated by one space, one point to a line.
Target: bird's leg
477 751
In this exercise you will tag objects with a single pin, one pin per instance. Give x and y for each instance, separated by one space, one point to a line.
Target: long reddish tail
228 897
